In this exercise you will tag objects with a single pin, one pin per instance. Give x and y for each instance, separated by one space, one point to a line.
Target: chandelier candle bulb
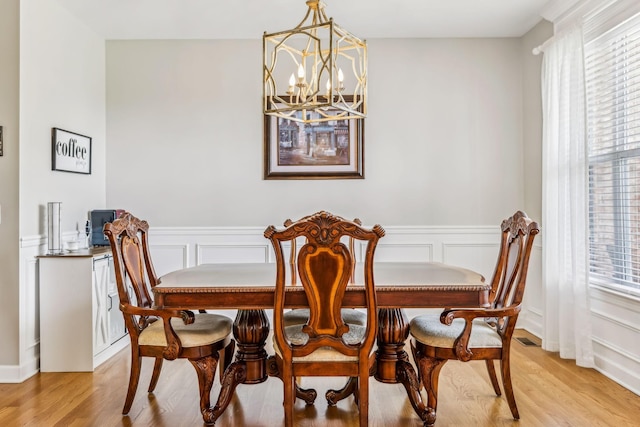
292 85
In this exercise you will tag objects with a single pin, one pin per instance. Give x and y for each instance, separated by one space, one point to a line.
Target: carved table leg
250 329
392 360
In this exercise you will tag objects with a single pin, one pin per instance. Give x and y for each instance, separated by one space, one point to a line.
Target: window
612 75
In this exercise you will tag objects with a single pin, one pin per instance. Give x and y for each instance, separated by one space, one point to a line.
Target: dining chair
325 345
161 333
480 333
300 316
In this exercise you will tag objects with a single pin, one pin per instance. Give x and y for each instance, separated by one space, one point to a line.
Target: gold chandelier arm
323 16
313 6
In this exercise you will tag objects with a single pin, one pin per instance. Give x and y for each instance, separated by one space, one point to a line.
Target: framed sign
70 152
325 150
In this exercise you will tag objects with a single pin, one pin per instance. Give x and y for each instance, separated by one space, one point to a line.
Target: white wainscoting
472 247
616 317
532 306
29 355
615 321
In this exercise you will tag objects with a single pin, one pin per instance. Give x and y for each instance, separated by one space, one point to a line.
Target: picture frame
70 152
1 143
325 150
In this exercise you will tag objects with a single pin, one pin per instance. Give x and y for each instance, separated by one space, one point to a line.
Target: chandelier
316 72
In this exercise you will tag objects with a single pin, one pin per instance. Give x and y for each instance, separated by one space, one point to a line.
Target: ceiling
248 19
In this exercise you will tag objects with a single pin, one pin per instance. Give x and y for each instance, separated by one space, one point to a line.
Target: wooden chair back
325 266
510 275
293 253
133 267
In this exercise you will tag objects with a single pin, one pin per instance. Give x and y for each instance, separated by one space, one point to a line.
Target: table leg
392 360
250 329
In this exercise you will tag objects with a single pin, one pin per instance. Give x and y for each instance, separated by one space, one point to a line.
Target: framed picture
70 152
325 150
1 148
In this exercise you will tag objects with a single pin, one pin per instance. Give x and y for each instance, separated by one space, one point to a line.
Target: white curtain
567 326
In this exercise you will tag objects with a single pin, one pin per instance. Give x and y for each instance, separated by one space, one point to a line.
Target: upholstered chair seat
428 330
206 329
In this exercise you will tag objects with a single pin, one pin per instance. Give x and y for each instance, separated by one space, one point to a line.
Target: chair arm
186 315
447 316
461 344
174 346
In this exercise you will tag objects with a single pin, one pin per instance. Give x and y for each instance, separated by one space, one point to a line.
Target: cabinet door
100 293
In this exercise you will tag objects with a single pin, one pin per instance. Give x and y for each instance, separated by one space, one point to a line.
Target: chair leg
430 372
289 396
134 376
492 375
363 398
206 370
157 367
508 387
226 354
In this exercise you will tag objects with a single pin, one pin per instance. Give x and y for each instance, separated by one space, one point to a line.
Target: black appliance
98 218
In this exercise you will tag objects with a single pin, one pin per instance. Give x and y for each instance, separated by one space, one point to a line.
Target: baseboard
11 374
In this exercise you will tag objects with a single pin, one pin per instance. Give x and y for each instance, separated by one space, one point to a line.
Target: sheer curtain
567 326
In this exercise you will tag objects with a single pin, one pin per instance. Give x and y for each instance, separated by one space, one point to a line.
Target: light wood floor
550 392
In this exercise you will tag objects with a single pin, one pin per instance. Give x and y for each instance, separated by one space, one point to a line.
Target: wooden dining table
250 287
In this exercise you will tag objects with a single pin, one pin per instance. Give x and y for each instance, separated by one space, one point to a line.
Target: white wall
61 84
9 101
531 317
532 116
443 136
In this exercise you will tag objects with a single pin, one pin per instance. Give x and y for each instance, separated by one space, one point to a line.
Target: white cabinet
80 323
100 304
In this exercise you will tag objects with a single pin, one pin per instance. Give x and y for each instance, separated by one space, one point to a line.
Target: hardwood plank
550 392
